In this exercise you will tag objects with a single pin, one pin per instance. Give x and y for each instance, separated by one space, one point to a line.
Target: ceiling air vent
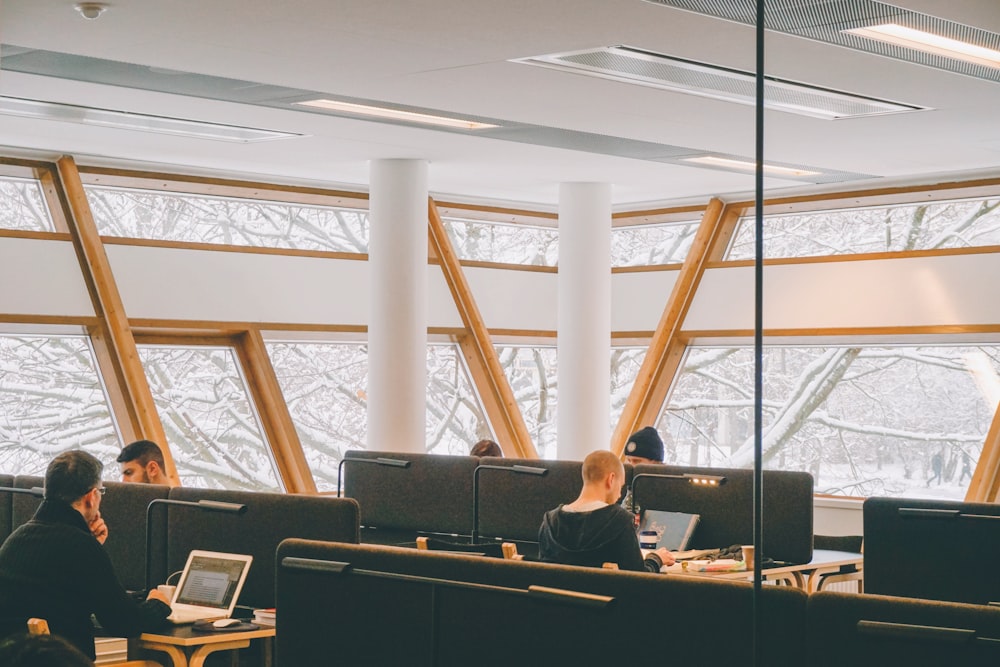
630 65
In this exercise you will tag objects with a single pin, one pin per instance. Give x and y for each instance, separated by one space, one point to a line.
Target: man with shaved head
594 529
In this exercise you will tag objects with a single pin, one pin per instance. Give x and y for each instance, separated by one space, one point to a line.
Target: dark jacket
605 535
53 568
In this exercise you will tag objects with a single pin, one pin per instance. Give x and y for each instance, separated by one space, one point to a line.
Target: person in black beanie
644 446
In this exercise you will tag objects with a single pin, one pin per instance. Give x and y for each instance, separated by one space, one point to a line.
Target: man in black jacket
54 567
594 529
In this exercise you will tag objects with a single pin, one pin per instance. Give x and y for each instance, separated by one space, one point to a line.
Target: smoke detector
91 10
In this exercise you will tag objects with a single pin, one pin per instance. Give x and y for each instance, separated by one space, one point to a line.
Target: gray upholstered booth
878 630
431 494
426 608
935 549
727 511
269 519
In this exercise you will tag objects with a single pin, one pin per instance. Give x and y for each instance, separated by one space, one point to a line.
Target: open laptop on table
209 586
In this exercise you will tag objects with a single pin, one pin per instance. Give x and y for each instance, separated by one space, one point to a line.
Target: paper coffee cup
167 590
748 556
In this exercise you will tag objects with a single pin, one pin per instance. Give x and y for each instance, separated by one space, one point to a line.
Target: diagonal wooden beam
477 347
276 420
666 348
984 487
113 341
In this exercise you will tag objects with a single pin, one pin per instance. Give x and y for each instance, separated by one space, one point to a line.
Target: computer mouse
226 622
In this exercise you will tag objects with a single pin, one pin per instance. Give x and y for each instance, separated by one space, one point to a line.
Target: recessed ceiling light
743 165
395 114
124 120
927 42
635 66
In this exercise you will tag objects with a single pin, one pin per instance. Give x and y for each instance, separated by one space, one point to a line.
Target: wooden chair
39 626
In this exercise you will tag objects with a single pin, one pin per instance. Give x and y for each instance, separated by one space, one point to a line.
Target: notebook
674 529
209 586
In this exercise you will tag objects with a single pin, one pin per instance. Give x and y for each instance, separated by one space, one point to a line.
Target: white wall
41 277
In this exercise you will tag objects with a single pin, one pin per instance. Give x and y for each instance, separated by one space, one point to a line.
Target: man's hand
157 595
99 529
665 556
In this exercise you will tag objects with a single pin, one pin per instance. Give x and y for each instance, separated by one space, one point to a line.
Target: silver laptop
209 586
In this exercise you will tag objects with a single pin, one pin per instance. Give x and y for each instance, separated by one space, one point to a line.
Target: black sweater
53 568
605 535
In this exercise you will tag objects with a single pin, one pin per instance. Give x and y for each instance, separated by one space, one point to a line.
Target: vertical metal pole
758 340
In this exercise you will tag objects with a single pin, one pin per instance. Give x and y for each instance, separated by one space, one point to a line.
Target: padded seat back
269 519
727 511
878 630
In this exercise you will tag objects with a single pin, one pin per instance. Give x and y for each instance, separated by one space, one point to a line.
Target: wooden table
807 576
188 648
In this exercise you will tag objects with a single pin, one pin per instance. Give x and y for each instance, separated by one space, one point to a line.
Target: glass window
210 422
503 243
153 214
51 401
22 205
929 226
324 385
532 373
625 363
649 245
865 421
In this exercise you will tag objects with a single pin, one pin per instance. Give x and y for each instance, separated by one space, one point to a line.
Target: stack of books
264 616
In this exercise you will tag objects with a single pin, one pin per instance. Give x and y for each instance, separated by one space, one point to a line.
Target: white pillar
397 322
584 343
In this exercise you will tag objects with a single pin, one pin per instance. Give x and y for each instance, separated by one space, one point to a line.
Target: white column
397 323
584 343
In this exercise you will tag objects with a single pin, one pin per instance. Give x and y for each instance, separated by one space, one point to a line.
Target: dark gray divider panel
934 549
269 519
124 510
433 494
511 505
727 511
23 506
694 621
6 507
876 631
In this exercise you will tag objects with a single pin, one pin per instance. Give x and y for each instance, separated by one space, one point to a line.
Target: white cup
167 590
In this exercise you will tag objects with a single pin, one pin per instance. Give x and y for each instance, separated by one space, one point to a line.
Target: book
674 529
264 616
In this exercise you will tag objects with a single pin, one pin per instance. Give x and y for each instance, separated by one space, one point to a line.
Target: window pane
51 401
865 421
151 214
22 205
504 243
949 224
648 245
324 385
625 363
532 373
211 426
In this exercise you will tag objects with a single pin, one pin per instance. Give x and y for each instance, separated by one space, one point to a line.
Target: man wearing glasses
54 567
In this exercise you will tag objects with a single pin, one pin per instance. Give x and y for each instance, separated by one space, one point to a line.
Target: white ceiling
452 57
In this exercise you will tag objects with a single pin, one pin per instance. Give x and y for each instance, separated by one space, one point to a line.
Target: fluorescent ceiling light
124 120
927 42
395 114
626 64
730 163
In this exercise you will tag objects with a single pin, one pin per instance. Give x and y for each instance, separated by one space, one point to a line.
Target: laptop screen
210 581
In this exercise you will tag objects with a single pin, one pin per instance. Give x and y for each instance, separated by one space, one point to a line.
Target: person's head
74 477
604 475
486 448
41 651
644 446
142 462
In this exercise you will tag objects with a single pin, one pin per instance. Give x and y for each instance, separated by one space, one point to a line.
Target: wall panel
42 277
